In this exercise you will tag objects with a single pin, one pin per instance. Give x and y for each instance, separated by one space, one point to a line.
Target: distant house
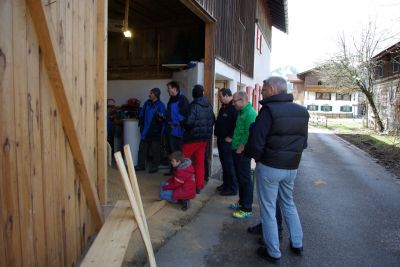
321 99
387 87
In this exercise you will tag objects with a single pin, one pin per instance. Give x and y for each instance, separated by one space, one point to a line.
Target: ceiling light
127 33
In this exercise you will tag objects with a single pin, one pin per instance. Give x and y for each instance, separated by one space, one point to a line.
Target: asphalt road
348 204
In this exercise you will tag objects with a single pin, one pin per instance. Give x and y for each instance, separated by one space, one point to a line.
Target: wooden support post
101 96
141 220
51 59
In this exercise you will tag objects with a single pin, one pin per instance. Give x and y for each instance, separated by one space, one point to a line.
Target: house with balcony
322 99
387 87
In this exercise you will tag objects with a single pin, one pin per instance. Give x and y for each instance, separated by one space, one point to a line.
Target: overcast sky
315 24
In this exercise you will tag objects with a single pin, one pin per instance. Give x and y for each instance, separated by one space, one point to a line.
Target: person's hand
228 139
240 149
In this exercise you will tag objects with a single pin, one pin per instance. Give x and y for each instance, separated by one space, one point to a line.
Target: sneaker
235 206
255 230
198 191
240 214
220 188
263 253
227 193
185 204
140 168
153 170
297 251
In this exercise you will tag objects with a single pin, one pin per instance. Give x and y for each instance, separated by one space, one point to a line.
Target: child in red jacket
181 187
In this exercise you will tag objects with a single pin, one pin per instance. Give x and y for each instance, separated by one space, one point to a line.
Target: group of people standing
187 127
275 139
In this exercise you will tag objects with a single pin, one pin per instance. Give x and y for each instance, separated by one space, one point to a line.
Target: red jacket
182 182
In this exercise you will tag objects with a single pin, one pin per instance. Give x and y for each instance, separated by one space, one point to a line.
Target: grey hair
242 95
278 83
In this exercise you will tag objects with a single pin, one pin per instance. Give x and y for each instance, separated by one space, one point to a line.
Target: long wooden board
110 245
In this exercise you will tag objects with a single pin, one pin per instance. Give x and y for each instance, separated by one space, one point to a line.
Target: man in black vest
279 137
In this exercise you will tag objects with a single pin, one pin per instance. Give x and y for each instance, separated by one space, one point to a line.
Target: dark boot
185 204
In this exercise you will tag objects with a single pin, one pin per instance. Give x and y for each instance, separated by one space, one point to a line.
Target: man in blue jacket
279 136
152 124
177 110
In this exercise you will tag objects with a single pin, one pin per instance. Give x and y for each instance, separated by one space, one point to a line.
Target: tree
352 68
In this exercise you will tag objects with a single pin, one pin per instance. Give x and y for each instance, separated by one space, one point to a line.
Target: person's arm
191 117
183 106
260 131
176 183
251 117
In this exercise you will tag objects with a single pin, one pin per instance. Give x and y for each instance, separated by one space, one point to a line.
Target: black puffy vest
288 132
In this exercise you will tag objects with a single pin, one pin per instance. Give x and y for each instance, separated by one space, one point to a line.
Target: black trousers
154 148
243 174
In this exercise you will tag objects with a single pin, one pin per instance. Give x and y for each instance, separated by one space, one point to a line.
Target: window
378 71
396 64
259 39
322 96
346 109
312 107
344 97
326 108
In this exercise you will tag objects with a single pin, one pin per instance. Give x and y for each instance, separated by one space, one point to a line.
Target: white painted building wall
310 99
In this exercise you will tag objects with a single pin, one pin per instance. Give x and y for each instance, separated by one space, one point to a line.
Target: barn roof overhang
279 14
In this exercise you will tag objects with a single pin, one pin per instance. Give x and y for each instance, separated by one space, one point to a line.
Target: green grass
355 127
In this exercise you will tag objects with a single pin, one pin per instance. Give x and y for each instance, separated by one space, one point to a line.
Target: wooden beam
47 44
101 96
209 61
197 9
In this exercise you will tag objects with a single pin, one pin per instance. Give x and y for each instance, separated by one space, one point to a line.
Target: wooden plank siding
263 18
45 219
235 29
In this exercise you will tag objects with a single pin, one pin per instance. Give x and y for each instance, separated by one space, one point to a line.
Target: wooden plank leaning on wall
46 41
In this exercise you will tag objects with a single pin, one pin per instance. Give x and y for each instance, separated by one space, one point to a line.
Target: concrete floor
169 220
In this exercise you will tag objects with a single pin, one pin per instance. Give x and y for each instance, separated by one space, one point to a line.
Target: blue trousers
166 194
270 181
228 168
243 174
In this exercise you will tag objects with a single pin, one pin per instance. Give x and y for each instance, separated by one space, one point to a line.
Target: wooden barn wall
44 216
234 42
263 17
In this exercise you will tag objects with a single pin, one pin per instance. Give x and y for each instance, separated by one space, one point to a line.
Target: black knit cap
198 91
156 91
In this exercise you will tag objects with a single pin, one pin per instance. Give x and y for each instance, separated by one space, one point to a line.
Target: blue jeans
166 194
243 174
228 168
269 182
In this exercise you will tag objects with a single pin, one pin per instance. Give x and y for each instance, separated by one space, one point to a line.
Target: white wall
189 78
122 90
262 62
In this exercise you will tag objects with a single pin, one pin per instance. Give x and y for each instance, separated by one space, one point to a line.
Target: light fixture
125 29
127 33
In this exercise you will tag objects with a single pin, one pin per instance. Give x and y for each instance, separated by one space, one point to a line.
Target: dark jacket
152 120
182 183
199 123
226 121
177 110
279 133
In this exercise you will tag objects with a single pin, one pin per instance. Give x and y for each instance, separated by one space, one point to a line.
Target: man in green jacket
247 115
